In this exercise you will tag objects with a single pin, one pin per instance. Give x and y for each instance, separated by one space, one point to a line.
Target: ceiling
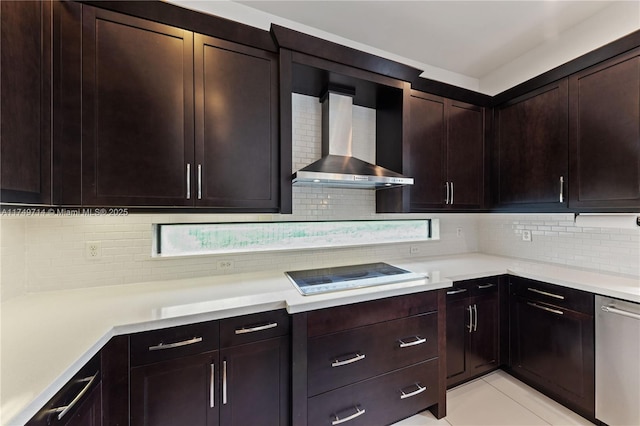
482 45
472 38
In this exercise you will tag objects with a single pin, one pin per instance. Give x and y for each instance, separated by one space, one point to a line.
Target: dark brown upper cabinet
236 125
445 153
25 111
531 150
604 135
137 111
175 119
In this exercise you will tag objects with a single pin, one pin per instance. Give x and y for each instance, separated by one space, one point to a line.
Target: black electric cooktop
324 280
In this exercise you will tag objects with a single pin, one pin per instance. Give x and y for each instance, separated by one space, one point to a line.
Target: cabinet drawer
254 327
169 343
339 359
474 287
340 318
576 300
381 400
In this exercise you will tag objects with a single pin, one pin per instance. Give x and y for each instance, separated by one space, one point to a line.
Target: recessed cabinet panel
137 111
25 111
605 134
427 151
236 139
531 158
465 155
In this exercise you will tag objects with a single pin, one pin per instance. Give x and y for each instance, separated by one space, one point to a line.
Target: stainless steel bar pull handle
188 181
212 387
562 189
414 393
357 357
253 329
199 181
546 293
483 286
224 382
612 309
446 184
451 193
358 413
417 341
62 411
162 346
475 321
457 291
470 326
544 308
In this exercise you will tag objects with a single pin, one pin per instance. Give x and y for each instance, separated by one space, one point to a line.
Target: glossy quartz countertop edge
47 337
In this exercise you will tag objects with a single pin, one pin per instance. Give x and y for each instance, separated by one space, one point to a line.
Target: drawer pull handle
418 341
544 308
414 393
546 293
483 286
161 346
62 411
338 363
450 292
358 413
245 330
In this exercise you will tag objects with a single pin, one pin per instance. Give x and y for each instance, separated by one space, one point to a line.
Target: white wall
556 239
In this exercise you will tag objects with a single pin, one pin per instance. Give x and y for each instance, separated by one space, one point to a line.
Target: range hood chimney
338 167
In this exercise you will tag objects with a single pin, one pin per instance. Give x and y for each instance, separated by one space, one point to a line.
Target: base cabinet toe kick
370 363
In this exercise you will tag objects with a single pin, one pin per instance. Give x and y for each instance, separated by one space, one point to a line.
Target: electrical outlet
92 250
225 265
526 235
458 232
414 250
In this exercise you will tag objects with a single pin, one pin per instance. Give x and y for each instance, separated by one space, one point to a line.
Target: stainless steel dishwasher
617 361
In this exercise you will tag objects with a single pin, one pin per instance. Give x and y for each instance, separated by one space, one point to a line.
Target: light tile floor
498 399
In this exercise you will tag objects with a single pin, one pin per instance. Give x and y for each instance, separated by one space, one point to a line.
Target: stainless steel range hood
338 167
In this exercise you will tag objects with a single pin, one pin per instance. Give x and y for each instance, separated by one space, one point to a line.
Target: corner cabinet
25 111
530 155
473 329
172 118
446 153
552 342
370 363
604 135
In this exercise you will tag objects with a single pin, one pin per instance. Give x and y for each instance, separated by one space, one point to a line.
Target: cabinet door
552 349
255 383
605 134
465 155
137 111
427 151
236 125
531 158
25 110
457 338
182 391
484 345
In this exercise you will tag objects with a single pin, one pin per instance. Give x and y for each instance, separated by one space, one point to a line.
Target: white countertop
48 337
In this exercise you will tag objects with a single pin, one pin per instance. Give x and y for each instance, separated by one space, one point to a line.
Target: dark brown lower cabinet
178 391
370 363
234 371
552 342
473 329
255 383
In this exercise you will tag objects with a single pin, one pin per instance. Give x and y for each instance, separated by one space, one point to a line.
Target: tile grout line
517 402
